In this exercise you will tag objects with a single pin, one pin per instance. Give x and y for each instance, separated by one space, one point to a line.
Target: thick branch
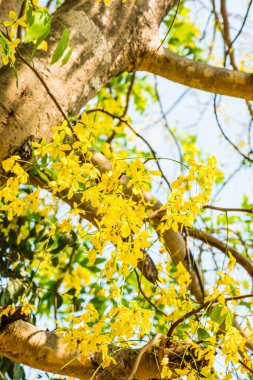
198 75
27 344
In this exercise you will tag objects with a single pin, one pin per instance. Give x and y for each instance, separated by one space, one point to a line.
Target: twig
129 91
146 297
229 179
177 101
242 296
130 88
171 25
224 135
21 13
245 366
137 134
189 257
207 303
189 314
245 245
228 42
221 246
247 210
59 281
226 33
243 23
49 2
151 343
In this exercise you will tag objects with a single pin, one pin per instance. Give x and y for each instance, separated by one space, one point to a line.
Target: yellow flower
27 308
9 310
15 21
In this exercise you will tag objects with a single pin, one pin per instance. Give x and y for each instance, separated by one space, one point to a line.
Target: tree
121 312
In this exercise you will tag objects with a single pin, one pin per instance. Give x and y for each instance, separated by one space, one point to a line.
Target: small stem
229 209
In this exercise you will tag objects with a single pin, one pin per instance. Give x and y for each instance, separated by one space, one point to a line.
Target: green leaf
36 171
39 25
183 327
216 315
5 45
202 334
42 175
29 14
39 40
59 300
229 319
67 56
61 46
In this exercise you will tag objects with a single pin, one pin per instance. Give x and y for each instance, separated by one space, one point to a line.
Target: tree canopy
120 255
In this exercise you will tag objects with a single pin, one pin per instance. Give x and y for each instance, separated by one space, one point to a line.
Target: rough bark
106 41
24 343
27 344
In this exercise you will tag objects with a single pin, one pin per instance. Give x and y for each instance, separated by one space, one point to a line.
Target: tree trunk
106 41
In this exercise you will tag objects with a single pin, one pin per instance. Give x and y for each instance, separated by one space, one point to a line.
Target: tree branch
229 209
43 350
27 344
144 349
198 75
212 240
223 247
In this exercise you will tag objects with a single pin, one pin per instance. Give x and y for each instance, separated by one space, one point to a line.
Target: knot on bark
25 149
